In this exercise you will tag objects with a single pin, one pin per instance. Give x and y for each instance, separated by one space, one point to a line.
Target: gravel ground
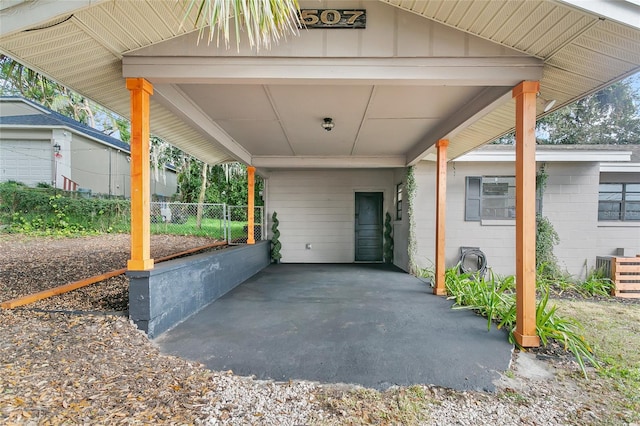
90 365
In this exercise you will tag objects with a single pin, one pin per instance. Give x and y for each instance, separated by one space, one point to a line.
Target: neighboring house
38 145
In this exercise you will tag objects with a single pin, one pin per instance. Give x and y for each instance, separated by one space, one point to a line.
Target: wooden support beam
251 180
140 185
441 207
525 97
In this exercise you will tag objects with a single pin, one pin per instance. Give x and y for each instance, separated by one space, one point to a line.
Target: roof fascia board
485 71
549 156
623 11
327 162
489 99
620 168
180 104
29 14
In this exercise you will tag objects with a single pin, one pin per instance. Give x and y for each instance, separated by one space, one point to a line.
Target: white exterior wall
425 214
401 227
90 169
613 236
571 204
496 239
317 207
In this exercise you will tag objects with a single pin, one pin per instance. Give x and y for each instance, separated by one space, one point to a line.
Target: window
399 189
492 198
619 201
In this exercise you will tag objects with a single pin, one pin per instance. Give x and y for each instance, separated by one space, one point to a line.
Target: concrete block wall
495 239
171 292
571 204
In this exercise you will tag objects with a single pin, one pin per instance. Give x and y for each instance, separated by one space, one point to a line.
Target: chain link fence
217 221
238 224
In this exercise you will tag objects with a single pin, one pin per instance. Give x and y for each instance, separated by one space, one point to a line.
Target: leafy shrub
546 239
596 284
495 299
46 211
388 239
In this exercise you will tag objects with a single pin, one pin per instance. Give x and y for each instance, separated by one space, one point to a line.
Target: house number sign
333 18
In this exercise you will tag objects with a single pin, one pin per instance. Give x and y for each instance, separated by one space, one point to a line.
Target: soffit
582 51
83 48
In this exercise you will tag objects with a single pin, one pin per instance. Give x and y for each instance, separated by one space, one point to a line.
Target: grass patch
401 406
614 330
209 228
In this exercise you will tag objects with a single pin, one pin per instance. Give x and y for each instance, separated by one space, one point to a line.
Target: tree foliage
18 80
226 183
610 116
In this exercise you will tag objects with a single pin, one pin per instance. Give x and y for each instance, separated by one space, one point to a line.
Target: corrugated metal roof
582 53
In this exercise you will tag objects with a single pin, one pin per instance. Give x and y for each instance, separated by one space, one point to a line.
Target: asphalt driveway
371 325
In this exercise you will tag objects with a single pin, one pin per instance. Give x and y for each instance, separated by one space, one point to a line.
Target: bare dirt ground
76 359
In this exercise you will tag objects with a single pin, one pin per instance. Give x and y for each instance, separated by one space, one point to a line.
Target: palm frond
263 21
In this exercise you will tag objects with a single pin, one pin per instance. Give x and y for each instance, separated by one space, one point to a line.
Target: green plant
541 179
555 283
276 246
388 239
546 239
47 211
495 299
492 297
567 331
546 235
412 244
427 272
596 284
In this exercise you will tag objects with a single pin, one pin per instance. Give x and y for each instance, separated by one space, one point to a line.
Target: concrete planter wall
174 290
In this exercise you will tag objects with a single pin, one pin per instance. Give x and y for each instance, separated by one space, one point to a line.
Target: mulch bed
30 265
77 359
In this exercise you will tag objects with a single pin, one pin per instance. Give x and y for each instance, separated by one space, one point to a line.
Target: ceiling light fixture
328 124
548 103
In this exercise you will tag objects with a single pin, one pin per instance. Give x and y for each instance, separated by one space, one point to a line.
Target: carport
424 81
370 325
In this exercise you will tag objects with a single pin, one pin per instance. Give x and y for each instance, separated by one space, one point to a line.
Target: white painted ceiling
285 120
231 106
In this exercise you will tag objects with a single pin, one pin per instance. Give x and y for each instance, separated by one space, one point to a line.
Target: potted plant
275 239
388 239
